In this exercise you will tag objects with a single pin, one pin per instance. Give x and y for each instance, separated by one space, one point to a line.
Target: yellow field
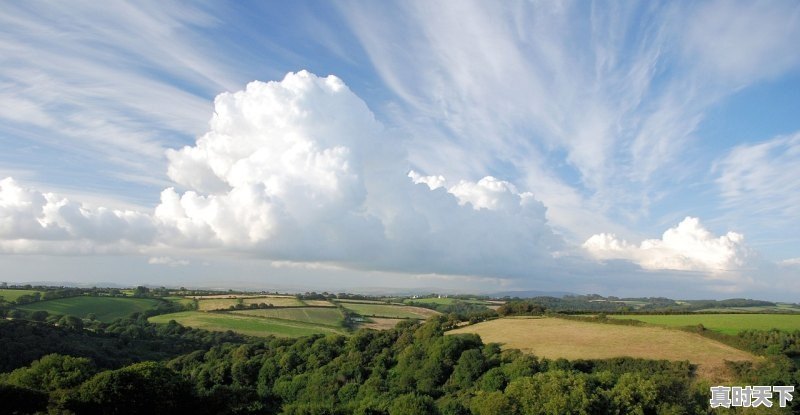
558 338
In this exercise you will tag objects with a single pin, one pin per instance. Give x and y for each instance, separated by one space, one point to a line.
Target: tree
51 372
412 404
145 387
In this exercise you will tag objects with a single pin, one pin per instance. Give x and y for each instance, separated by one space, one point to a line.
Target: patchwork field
106 309
723 323
389 311
248 325
324 316
559 338
210 304
12 295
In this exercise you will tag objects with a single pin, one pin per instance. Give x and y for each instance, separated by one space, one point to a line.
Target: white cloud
686 247
791 262
31 221
433 182
168 261
299 170
763 179
594 109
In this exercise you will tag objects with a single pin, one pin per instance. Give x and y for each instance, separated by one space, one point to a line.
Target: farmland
106 309
558 338
723 323
389 311
244 324
328 316
210 304
13 295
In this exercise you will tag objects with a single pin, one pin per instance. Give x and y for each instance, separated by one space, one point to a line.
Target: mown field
12 295
723 323
210 304
389 311
559 338
244 324
106 309
324 316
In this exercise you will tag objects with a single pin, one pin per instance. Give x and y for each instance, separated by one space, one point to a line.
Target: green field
12 295
723 323
106 309
247 325
390 311
325 316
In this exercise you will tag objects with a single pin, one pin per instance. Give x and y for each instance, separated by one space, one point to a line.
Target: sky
620 148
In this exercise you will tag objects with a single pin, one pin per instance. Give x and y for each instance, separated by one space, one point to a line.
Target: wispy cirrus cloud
594 109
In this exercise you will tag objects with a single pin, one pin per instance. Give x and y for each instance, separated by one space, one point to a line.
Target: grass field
248 325
106 309
559 338
12 295
325 316
211 304
723 323
389 311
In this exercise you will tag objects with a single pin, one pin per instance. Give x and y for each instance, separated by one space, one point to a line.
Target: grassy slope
723 323
105 308
559 338
248 325
390 311
325 316
12 295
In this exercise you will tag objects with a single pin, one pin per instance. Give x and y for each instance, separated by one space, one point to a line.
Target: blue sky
613 147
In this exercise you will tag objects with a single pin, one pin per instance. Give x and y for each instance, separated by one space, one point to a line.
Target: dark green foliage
52 372
147 387
121 343
521 308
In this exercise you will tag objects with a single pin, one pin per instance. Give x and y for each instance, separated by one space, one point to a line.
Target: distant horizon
370 291
631 149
